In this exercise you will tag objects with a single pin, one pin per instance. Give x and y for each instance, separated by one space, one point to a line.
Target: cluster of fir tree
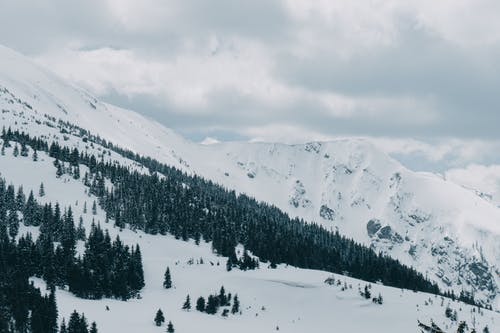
189 206
244 263
106 269
214 302
160 319
77 324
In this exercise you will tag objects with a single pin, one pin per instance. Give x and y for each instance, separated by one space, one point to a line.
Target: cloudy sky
287 70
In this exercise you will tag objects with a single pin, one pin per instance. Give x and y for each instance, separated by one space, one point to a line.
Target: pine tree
41 191
80 231
212 305
367 294
35 155
167 281
16 151
170 327
187 304
93 327
94 208
200 304
51 308
63 328
222 297
24 150
13 221
236 305
159 318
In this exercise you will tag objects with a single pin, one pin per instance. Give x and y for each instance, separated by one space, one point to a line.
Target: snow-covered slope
285 299
485 180
440 228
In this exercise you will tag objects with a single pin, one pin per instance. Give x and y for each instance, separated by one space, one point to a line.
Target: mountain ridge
346 185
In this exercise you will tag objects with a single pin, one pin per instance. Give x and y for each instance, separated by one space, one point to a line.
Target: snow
295 300
351 177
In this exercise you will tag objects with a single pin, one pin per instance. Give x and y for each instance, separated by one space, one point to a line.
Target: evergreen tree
51 312
200 304
93 328
94 208
170 327
236 305
63 328
167 280
13 222
222 297
77 323
187 304
41 191
212 305
367 294
35 155
24 150
16 150
159 318
80 231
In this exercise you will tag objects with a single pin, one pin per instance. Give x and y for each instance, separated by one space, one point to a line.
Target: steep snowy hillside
284 299
440 228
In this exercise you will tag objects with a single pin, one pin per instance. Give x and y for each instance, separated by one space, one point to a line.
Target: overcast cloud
290 70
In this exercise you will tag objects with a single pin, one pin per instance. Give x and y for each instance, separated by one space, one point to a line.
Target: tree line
168 200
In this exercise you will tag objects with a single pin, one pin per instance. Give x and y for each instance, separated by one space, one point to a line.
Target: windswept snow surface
442 229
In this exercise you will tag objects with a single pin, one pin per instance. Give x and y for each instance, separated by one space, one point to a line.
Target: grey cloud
459 84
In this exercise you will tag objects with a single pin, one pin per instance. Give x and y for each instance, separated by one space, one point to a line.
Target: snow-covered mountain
444 230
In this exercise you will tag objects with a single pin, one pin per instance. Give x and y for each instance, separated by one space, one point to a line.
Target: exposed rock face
372 227
327 213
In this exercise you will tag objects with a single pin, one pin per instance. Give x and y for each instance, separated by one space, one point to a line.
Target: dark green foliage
77 323
159 318
187 304
93 328
212 305
19 298
215 302
236 305
200 304
170 327
167 279
188 206
63 328
107 269
41 191
366 292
